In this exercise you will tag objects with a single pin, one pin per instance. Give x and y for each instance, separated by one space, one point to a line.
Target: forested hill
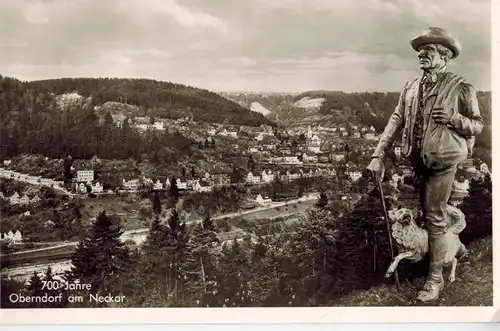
160 99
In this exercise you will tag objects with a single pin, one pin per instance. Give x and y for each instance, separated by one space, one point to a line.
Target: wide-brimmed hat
433 35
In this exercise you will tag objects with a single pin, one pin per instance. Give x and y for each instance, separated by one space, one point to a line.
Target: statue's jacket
443 145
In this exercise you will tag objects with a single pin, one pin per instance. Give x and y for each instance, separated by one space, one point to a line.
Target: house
131 185
226 133
17 237
309 133
372 129
345 133
85 176
397 151
267 176
25 200
167 183
483 168
314 144
341 129
14 199
251 179
36 199
292 175
291 160
158 185
211 132
81 188
357 134
338 157
253 150
97 188
2 196
221 179
181 185
202 186
263 201
7 162
355 175
260 137
371 136
158 126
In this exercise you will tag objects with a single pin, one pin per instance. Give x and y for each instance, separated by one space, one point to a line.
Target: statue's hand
376 169
441 116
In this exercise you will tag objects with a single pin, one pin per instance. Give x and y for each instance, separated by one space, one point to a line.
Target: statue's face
429 57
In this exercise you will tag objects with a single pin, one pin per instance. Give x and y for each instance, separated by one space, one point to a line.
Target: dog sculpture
412 241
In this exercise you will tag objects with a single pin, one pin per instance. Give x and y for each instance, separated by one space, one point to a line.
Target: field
127 208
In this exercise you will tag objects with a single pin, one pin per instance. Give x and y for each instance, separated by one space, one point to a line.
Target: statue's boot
435 282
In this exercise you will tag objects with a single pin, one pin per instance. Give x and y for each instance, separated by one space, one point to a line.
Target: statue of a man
438 117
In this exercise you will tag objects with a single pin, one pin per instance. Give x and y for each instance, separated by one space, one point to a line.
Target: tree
199 265
101 257
183 171
173 191
477 208
160 265
156 203
34 288
193 172
322 201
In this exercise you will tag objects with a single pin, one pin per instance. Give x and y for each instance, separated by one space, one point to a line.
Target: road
55 187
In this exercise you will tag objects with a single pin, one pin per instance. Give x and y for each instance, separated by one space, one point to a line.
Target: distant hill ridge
157 98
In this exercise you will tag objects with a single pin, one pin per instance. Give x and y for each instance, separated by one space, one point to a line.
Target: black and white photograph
245 154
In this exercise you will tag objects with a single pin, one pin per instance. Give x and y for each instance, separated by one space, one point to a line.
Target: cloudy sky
235 45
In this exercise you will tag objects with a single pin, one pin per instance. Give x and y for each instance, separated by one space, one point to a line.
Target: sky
240 45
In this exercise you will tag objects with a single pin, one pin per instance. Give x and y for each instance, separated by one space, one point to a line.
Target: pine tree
156 203
101 258
477 208
193 172
322 201
174 190
34 288
161 263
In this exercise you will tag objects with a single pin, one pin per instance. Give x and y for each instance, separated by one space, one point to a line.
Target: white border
292 314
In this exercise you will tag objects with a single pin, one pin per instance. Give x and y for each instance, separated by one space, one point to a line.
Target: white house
483 168
251 179
167 183
263 201
36 199
131 185
81 188
260 137
211 132
97 188
292 176
157 185
357 134
200 186
85 176
25 200
46 182
371 136
267 176
181 185
355 175
17 237
14 199
7 162
158 126
253 150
